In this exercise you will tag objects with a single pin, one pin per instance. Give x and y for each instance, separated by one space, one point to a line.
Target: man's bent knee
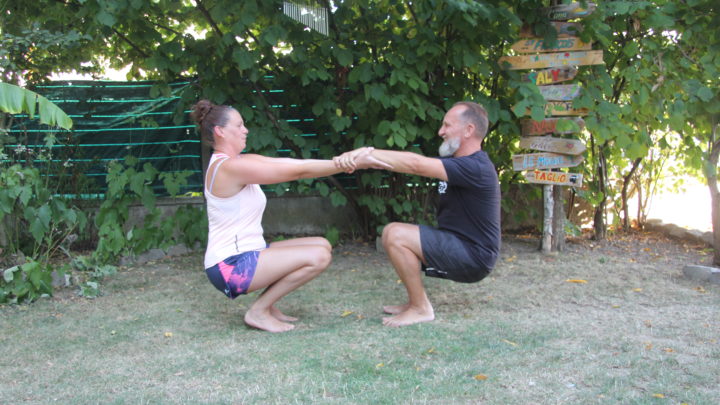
391 233
398 233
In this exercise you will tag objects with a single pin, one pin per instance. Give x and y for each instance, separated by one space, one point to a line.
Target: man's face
451 131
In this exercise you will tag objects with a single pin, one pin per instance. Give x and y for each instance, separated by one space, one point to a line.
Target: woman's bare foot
280 316
410 316
395 309
265 321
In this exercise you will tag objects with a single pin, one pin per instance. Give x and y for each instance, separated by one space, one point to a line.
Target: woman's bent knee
320 259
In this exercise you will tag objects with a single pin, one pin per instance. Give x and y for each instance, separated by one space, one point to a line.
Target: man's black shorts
449 257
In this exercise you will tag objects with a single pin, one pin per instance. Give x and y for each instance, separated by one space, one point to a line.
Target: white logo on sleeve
442 186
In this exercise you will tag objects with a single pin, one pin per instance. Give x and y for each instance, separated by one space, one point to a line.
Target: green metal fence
113 120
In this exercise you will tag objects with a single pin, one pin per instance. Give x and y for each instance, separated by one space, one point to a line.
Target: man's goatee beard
449 147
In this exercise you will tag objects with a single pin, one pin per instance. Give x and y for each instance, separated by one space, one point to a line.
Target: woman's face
235 131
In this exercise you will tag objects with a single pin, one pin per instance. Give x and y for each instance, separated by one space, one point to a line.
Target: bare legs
402 244
281 269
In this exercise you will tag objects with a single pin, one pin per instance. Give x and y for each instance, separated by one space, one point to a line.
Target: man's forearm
401 162
412 163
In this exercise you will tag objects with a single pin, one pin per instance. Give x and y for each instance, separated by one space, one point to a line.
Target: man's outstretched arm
401 162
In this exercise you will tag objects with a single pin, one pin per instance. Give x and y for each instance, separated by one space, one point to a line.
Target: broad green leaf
12 98
344 56
400 140
105 18
44 215
8 274
37 230
704 94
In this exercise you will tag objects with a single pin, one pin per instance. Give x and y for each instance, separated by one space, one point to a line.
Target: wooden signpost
563 30
562 44
559 62
550 144
532 161
554 178
563 12
560 92
548 60
550 126
550 76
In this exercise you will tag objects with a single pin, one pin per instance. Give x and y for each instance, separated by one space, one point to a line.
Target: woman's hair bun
200 110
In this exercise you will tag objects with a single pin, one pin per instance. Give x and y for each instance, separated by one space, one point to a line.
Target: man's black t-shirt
470 205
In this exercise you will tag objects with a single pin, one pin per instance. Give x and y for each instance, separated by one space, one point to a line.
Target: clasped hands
360 158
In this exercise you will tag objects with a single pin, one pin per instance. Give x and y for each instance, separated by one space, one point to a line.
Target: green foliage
88 273
26 282
16 100
29 52
37 221
332 235
35 225
190 225
128 184
369 83
387 72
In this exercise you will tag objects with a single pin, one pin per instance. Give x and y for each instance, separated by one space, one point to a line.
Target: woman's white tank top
234 223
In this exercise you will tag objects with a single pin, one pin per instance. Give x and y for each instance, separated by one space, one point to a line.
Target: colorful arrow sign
531 161
550 125
548 60
560 92
568 11
563 30
550 76
550 144
561 109
532 45
554 178
564 108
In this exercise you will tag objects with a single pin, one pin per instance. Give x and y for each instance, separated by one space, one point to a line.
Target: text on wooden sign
548 60
550 144
530 161
555 178
550 125
560 92
553 75
562 44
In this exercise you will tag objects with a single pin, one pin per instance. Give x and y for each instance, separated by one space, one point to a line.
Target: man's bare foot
265 321
395 309
410 316
280 316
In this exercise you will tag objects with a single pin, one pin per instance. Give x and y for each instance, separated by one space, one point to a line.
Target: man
466 243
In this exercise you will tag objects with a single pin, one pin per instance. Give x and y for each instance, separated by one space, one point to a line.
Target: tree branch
412 12
166 28
132 45
204 11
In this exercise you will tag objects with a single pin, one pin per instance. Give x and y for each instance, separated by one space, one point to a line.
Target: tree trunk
599 224
711 174
640 206
626 183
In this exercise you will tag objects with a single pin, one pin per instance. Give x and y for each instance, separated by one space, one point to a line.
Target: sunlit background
690 209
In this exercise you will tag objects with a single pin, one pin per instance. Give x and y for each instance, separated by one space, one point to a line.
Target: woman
237 259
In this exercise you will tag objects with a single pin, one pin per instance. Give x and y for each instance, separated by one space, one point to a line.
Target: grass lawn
635 332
